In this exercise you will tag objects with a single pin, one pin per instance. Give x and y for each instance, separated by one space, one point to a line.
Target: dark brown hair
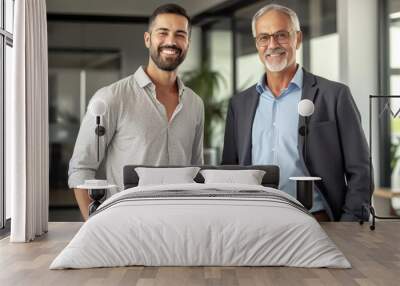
169 9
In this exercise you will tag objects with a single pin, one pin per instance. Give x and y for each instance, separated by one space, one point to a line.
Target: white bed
201 224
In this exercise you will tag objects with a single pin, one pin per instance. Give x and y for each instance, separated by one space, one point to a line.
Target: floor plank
374 255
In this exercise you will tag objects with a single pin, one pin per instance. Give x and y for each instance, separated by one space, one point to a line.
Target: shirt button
274 124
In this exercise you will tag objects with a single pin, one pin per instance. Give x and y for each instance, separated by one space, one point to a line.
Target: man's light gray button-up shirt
138 131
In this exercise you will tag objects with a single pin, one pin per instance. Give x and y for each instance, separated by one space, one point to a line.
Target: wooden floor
374 255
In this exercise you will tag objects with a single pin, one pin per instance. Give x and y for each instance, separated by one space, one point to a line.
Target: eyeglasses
281 37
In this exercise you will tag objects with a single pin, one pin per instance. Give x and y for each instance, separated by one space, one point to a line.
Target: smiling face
168 41
277 54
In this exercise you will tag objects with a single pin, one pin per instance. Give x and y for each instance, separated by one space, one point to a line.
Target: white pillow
163 176
248 177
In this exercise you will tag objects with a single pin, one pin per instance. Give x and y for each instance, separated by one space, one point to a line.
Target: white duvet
207 230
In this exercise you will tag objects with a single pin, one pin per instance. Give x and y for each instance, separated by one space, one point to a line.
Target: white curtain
27 123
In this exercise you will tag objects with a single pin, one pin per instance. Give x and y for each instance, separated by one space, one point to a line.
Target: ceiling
394 6
124 7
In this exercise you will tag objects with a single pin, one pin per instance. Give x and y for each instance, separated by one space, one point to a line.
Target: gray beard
276 67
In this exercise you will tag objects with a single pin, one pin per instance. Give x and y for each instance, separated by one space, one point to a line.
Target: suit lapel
309 91
251 103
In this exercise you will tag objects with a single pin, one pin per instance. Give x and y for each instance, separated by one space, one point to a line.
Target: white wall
324 56
358 57
358 61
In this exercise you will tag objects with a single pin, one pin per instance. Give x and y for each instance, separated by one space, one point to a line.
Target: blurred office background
93 43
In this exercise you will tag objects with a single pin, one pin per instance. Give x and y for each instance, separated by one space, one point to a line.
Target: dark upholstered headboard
270 179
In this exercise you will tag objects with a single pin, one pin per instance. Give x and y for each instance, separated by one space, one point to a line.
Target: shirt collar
181 86
298 77
144 80
297 80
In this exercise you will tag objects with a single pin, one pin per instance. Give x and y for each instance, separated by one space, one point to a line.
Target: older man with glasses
262 125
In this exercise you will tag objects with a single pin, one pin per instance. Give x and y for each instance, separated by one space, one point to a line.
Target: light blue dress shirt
275 134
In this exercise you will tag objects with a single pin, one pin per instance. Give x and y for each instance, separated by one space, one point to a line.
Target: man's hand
83 199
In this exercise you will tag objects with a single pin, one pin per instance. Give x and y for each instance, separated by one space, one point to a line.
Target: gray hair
275 7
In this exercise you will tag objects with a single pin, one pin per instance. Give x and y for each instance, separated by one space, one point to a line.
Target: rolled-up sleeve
83 164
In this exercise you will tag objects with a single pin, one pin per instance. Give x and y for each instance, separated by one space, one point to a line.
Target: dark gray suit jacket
337 148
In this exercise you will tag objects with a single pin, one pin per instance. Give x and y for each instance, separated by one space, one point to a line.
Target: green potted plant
394 153
207 83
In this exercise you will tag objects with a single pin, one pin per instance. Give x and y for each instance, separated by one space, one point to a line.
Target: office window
2 195
6 63
75 74
394 67
9 15
394 89
221 53
81 61
8 87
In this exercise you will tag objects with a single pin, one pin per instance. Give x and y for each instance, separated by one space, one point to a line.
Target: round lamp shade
97 107
305 107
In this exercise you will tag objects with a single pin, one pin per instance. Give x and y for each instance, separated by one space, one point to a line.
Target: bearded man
262 125
151 117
